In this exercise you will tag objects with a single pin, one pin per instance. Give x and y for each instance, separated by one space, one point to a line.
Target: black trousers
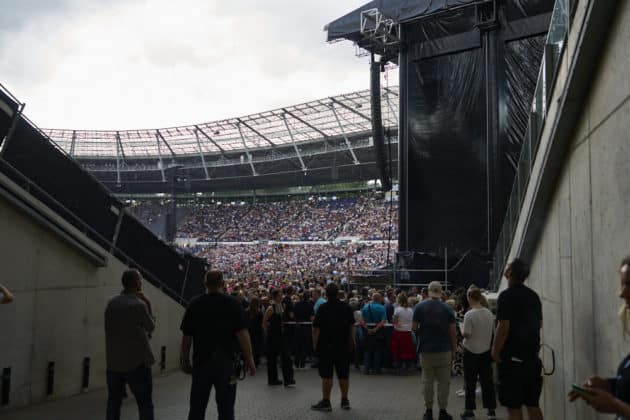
302 344
479 366
140 382
211 373
278 346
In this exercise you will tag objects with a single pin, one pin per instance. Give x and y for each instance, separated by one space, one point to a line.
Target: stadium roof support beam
258 133
249 155
74 140
297 150
118 158
159 148
309 125
203 159
261 135
349 108
122 150
211 140
390 106
345 137
170 149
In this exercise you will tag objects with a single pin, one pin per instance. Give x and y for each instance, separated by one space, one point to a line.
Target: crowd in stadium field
281 264
366 216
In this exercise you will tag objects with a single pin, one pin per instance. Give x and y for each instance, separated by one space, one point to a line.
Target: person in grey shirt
128 324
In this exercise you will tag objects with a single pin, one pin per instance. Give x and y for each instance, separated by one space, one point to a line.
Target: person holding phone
5 295
611 395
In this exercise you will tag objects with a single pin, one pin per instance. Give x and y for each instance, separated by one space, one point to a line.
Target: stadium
500 149
208 186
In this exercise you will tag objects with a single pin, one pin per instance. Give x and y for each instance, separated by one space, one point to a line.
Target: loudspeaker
378 133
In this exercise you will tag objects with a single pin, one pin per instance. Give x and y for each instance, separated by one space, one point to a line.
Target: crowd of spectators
280 264
364 216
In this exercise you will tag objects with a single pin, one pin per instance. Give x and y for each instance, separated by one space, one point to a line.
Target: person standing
318 299
434 321
277 344
5 295
255 328
375 317
612 395
213 323
304 313
401 347
128 324
478 330
334 341
517 344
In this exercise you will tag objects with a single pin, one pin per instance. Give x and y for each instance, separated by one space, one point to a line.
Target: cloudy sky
118 64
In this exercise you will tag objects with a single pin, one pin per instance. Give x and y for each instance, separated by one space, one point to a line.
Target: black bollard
50 378
6 385
85 382
163 359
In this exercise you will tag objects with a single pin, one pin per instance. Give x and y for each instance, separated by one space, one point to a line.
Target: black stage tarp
349 26
468 72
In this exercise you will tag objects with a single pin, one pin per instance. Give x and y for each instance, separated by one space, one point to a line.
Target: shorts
520 383
340 363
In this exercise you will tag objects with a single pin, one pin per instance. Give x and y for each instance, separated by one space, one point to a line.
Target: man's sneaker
345 404
323 405
428 415
468 415
274 383
444 415
492 415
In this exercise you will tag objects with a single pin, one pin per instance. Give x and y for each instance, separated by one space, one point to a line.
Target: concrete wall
58 312
587 231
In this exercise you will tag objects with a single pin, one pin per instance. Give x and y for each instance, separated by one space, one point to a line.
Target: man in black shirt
334 340
214 322
303 312
517 344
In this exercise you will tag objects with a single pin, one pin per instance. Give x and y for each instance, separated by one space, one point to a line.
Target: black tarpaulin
447 152
349 26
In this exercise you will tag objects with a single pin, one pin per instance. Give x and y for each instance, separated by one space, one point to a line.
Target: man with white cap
434 322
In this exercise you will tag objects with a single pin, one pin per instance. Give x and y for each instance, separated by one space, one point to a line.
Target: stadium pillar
403 146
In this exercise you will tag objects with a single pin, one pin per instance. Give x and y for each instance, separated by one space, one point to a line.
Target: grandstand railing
555 45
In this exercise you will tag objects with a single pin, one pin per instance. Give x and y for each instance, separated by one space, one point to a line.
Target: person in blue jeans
374 317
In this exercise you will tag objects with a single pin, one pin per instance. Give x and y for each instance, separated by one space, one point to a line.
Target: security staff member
213 322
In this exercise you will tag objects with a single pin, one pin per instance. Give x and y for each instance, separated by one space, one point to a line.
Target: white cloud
156 63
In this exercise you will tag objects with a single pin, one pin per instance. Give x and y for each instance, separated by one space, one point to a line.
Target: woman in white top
401 346
478 329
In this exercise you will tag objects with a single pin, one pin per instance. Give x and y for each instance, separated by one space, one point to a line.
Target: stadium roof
311 121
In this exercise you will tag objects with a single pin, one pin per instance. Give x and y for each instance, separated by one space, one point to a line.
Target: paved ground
372 397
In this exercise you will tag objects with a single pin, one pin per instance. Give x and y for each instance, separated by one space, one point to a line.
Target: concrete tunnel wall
586 229
58 312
